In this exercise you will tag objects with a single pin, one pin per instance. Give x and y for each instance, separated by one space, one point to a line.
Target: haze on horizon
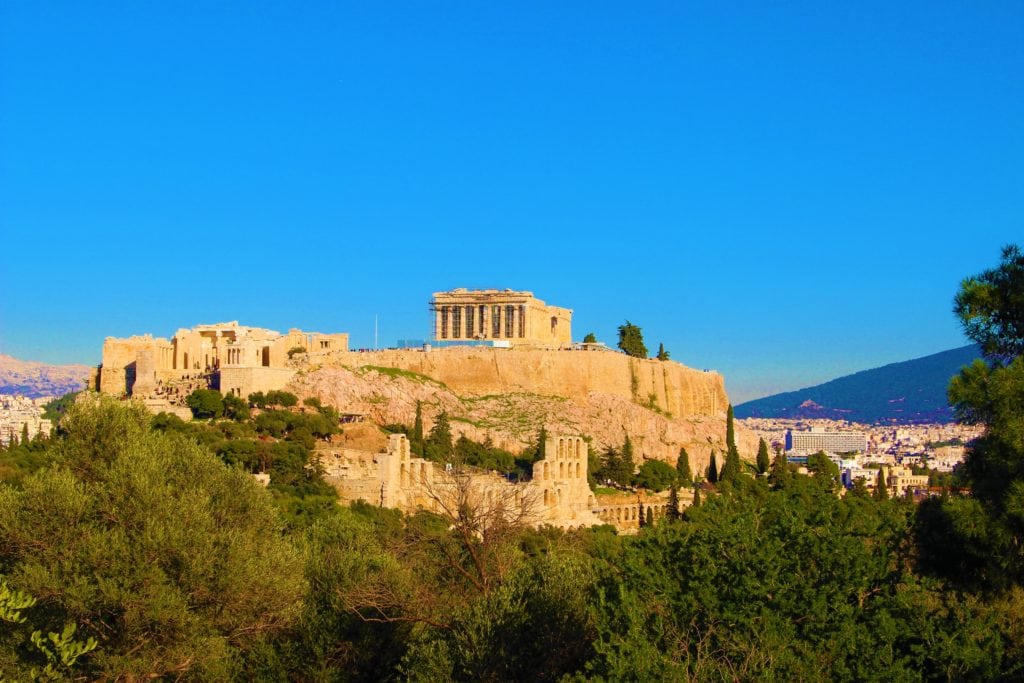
783 194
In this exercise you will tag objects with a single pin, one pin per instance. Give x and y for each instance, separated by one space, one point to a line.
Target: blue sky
785 192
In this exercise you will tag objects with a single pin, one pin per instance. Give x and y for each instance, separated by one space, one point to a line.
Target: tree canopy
990 306
631 340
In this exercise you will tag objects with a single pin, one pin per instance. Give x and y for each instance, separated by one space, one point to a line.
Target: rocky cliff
507 395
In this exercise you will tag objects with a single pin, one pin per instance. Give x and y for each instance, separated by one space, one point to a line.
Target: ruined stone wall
558 493
242 381
666 386
119 370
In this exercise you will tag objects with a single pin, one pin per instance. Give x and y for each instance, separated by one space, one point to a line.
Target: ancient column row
471 321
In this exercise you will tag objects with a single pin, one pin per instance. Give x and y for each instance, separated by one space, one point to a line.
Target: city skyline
784 195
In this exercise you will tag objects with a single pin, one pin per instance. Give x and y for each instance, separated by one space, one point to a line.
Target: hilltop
905 392
35 380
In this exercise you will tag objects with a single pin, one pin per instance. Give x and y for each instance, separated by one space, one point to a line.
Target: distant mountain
32 379
911 391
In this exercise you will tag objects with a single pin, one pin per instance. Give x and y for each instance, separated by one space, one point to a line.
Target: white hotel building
806 443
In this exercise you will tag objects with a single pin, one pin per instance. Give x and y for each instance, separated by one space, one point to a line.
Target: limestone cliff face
507 396
668 387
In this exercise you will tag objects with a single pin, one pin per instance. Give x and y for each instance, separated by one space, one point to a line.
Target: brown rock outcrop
508 395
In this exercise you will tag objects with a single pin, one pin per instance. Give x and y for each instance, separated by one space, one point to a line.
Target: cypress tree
779 470
650 515
439 441
24 433
612 464
762 457
696 496
713 469
627 463
631 340
662 353
640 517
881 486
417 425
542 448
731 468
683 468
672 511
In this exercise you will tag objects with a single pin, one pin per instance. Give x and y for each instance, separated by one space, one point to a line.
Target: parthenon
515 318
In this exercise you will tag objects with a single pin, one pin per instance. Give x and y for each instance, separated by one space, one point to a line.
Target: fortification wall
667 386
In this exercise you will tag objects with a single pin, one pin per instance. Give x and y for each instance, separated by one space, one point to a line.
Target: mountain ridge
911 391
36 380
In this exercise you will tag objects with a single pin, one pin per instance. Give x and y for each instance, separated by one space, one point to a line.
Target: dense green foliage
177 564
590 338
662 353
631 340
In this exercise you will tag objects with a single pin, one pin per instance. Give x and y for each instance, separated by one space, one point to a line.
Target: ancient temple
499 315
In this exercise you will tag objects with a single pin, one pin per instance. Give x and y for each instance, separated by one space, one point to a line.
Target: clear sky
784 192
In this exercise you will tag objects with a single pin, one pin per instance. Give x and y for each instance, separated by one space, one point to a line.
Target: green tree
285 399
732 467
641 516
416 442
881 486
712 472
628 462
683 468
650 516
631 340
541 450
610 465
860 489
656 475
824 469
762 457
417 424
24 432
662 353
205 403
235 408
780 469
672 508
439 447
991 307
590 338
